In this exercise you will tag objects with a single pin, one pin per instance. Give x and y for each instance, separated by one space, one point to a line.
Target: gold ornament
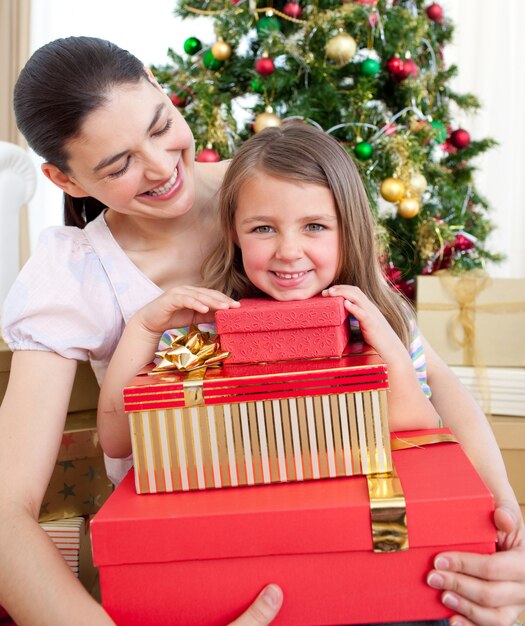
266 120
392 189
341 48
408 207
417 183
221 50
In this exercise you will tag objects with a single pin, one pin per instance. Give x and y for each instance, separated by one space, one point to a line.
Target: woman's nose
158 164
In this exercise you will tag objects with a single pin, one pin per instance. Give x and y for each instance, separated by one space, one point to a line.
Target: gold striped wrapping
260 442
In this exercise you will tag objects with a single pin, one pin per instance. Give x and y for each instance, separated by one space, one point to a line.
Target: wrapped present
510 435
262 329
79 484
245 424
84 395
199 558
473 319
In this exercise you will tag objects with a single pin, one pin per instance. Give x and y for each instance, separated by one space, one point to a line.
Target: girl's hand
182 306
375 329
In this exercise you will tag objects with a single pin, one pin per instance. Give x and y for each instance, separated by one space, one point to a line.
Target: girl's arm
482 589
175 308
408 407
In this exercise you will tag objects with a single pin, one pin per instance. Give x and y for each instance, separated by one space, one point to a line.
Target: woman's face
135 154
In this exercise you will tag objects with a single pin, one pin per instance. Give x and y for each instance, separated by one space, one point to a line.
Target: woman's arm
175 308
408 407
32 418
481 589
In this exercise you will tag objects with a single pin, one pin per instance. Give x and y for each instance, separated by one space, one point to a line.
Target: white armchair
17 186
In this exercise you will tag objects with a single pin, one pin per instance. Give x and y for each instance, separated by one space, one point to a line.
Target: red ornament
292 9
265 66
181 97
373 19
208 155
435 12
409 69
459 139
394 66
371 3
463 243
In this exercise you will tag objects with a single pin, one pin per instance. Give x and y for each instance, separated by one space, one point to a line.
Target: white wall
486 50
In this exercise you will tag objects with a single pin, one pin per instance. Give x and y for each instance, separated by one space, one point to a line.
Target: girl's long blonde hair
300 152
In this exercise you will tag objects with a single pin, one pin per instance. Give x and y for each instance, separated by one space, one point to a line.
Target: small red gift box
260 423
199 558
262 329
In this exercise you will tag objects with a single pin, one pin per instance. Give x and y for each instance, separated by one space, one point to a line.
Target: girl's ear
63 181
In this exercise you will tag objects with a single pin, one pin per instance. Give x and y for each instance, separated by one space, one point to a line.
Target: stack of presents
268 458
79 485
477 325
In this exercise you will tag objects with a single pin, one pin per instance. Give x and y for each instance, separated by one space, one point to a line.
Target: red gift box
200 557
260 423
262 329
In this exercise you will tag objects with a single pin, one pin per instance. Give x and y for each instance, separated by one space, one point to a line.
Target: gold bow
196 349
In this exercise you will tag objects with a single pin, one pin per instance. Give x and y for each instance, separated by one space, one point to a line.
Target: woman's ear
63 181
152 78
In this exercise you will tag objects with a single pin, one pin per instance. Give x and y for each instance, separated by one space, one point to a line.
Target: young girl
295 223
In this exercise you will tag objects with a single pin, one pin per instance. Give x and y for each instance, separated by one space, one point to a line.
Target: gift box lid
266 314
363 371
447 504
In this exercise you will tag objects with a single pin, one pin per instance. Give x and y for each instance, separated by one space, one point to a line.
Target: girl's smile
289 236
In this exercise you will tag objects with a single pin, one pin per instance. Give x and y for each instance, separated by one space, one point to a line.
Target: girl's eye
315 227
164 129
263 229
121 171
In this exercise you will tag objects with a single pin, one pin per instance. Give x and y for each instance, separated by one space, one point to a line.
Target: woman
107 131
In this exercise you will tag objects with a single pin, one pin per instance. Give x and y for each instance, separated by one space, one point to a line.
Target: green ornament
192 45
363 150
370 67
268 24
257 85
211 62
439 131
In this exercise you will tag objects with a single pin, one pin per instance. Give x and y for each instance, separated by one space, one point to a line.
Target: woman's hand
486 589
181 306
263 609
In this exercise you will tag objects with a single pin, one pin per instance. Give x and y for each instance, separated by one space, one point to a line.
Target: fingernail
456 622
450 600
436 580
272 596
441 563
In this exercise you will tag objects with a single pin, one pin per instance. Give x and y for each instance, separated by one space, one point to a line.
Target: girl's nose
289 249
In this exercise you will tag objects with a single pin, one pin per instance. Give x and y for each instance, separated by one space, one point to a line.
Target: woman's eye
263 229
164 129
315 227
121 171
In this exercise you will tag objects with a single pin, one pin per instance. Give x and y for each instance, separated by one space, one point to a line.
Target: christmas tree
371 73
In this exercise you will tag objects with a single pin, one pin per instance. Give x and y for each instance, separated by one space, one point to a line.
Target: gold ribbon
387 500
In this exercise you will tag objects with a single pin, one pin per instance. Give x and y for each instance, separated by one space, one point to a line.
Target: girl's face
135 154
289 236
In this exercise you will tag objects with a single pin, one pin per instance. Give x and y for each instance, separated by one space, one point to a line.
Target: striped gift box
259 423
67 535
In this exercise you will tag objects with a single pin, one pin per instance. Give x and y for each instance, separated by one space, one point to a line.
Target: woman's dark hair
60 85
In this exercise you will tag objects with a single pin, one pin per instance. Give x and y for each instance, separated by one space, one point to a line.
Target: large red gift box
246 424
262 329
199 558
